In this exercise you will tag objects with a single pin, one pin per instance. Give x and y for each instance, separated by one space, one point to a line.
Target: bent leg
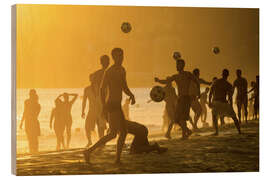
236 123
101 142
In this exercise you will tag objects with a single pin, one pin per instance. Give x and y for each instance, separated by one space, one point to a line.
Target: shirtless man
115 81
195 105
183 80
218 101
203 102
256 97
241 85
94 111
67 106
170 106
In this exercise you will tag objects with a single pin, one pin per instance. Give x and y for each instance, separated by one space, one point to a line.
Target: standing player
219 104
203 102
241 98
67 106
115 81
256 90
183 80
195 105
94 112
170 106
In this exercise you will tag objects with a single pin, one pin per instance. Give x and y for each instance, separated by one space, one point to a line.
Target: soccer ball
215 50
176 55
157 94
126 27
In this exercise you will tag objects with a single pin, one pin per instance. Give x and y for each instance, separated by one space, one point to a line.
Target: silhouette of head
118 56
65 95
57 102
225 73
207 89
104 61
196 72
238 73
32 93
180 64
214 79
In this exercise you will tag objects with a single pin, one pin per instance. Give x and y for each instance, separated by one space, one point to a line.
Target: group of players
104 97
221 92
111 82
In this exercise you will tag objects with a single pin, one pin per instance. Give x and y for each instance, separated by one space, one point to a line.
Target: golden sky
59 46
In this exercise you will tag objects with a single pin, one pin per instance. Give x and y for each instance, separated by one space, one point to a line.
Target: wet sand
228 152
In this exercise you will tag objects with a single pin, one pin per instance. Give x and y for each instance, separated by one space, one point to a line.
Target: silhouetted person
59 123
241 85
170 106
218 101
94 110
30 117
203 102
195 104
183 80
115 81
140 143
99 120
126 109
256 91
251 114
222 122
67 105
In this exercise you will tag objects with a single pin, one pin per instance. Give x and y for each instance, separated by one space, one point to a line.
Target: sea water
149 114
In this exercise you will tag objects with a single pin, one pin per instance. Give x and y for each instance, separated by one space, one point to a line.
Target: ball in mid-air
126 27
176 55
157 94
216 50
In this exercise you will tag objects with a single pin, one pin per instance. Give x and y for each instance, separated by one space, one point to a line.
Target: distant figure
251 112
218 101
140 143
241 85
67 105
59 124
203 102
170 106
99 76
94 116
30 116
183 80
222 122
115 81
125 108
195 105
256 98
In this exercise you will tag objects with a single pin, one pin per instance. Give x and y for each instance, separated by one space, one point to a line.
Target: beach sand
228 152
